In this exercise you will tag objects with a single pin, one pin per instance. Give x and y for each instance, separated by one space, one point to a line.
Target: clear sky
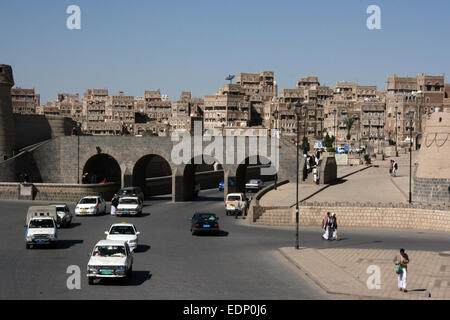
193 45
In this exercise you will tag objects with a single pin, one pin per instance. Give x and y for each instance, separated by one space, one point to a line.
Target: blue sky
193 45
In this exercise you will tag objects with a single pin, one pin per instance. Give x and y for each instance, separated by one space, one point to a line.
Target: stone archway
251 168
102 168
200 171
153 174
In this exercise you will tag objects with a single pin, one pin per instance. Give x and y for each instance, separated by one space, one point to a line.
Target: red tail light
216 225
196 225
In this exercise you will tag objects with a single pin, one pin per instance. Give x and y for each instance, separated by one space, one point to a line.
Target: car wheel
91 281
130 272
193 232
28 246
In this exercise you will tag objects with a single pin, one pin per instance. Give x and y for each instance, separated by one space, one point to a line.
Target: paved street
242 263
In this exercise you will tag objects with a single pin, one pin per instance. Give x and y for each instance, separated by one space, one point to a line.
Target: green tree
329 142
305 143
348 124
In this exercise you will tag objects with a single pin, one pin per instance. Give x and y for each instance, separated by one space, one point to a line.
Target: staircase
276 217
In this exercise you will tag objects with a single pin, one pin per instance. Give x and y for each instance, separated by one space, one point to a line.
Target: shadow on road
137 279
221 233
66 244
142 248
72 225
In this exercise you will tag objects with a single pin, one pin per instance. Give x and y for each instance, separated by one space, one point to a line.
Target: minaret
6 117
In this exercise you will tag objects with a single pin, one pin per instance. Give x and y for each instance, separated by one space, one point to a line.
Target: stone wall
60 192
33 128
432 190
396 216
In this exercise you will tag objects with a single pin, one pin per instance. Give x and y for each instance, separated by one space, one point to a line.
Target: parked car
64 214
129 206
204 222
130 192
254 185
91 205
110 259
124 232
340 150
41 231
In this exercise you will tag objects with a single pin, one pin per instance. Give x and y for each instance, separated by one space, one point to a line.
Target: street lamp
305 109
298 107
396 131
410 116
275 115
334 111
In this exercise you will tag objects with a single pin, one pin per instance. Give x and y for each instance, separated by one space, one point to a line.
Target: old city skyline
250 102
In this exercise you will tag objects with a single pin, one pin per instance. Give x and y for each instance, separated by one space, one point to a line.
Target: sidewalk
345 271
284 196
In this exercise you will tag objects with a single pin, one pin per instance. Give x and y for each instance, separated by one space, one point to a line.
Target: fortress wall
31 129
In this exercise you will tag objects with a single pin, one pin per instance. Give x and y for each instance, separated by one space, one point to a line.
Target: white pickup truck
41 231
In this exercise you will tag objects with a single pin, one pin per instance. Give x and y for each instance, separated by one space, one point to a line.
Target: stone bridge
130 160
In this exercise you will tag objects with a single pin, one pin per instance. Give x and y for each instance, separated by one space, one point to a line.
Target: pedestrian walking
391 167
114 204
401 269
315 175
394 168
334 226
326 226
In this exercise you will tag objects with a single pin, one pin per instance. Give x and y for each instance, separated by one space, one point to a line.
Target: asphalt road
241 263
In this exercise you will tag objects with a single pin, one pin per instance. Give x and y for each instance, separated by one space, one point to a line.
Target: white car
110 259
129 206
236 204
124 232
64 214
90 205
254 185
41 230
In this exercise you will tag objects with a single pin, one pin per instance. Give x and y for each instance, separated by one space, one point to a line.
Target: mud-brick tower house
6 116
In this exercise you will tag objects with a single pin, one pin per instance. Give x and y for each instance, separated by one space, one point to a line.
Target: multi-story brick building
230 106
24 101
260 89
421 95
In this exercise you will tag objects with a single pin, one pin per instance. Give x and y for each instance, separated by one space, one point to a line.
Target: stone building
94 113
260 89
421 95
24 101
365 105
230 107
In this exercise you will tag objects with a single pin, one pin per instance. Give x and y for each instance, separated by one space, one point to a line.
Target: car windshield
122 230
206 217
234 198
125 191
88 201
109 251
128 201
41 223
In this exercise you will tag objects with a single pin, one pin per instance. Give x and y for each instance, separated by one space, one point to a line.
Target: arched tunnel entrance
251 169
101 168
203 173
154 175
